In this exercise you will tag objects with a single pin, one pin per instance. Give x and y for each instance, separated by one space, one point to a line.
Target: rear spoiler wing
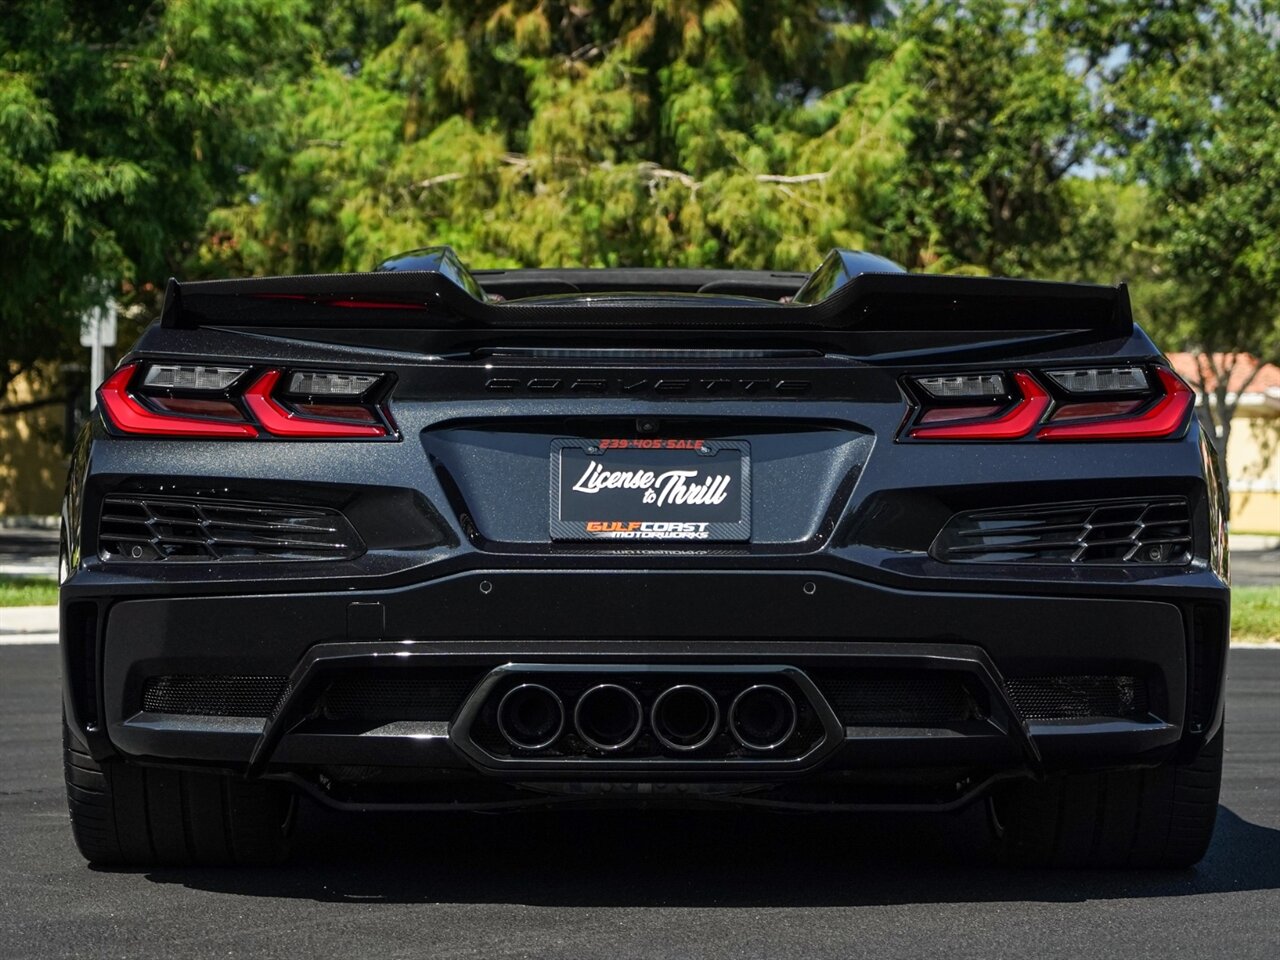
443 296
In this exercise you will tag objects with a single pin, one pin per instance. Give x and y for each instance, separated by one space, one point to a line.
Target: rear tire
125 815
1157 817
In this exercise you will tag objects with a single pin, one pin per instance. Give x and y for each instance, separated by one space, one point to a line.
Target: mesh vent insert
1076 697
900 698
1114 531
142 528
381 695
213 696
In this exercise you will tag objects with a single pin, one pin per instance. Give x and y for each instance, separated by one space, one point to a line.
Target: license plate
650 489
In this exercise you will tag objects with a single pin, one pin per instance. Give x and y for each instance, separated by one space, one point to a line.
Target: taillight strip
126 414
279 421
1017 421
1163 419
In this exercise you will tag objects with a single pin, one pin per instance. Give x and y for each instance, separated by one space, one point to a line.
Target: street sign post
97 332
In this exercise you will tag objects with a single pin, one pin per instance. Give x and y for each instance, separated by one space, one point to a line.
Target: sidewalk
28 625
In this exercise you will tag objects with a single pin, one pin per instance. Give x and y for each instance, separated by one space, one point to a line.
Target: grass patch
28 591
1255 614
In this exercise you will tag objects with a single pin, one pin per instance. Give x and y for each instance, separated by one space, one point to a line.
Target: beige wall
1253 459
33 467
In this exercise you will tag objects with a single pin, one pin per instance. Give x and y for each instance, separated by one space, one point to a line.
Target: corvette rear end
428 539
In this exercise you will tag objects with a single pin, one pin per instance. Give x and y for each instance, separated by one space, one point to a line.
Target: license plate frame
617 512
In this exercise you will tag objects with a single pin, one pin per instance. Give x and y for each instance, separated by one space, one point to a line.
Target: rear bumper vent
899 698
213 696
1112 531
388 697
141 528
1078 697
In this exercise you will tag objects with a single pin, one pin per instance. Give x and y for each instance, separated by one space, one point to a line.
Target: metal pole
97 332
97 358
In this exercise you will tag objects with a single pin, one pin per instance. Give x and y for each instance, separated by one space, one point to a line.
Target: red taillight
1018 421
1163 418
177 400
127 414
280 421
1103 403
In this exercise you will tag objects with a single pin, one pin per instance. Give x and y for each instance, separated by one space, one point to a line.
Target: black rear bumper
817 625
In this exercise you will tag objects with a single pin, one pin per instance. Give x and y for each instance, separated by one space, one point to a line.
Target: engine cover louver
1155 531
140 528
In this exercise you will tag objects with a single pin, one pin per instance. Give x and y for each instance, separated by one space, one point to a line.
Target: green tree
1192 95
121 125
556 133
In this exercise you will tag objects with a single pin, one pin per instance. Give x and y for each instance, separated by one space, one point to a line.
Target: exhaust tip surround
685 717
608 717
763 717
530 716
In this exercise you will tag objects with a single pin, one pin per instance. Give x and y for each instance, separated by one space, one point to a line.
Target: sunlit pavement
639 884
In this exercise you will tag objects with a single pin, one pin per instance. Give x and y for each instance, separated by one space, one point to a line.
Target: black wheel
123 815
1157 817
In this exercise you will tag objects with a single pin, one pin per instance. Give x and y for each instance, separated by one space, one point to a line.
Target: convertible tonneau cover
432 290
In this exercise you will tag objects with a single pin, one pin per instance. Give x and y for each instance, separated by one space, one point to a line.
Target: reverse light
175 377
321 384
980 386
1101 380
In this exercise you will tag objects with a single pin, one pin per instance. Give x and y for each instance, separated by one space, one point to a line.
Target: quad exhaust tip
685 717
763 717
530 716
608 717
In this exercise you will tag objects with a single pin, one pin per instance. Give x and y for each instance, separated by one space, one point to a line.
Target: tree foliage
1191 93
1083 139
121 126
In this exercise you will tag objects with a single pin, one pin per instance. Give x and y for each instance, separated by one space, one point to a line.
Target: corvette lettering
642 385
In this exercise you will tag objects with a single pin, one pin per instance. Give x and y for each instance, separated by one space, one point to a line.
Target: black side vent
1110 531
80 650
213 696
899 698
1076 697
144 528
1209 644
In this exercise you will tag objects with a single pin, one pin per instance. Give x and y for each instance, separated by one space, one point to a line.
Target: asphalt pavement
1255 568
634 884
28 551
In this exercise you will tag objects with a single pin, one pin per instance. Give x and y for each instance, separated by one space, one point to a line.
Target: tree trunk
1218 403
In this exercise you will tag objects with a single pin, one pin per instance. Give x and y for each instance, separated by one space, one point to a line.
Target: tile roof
1267 380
